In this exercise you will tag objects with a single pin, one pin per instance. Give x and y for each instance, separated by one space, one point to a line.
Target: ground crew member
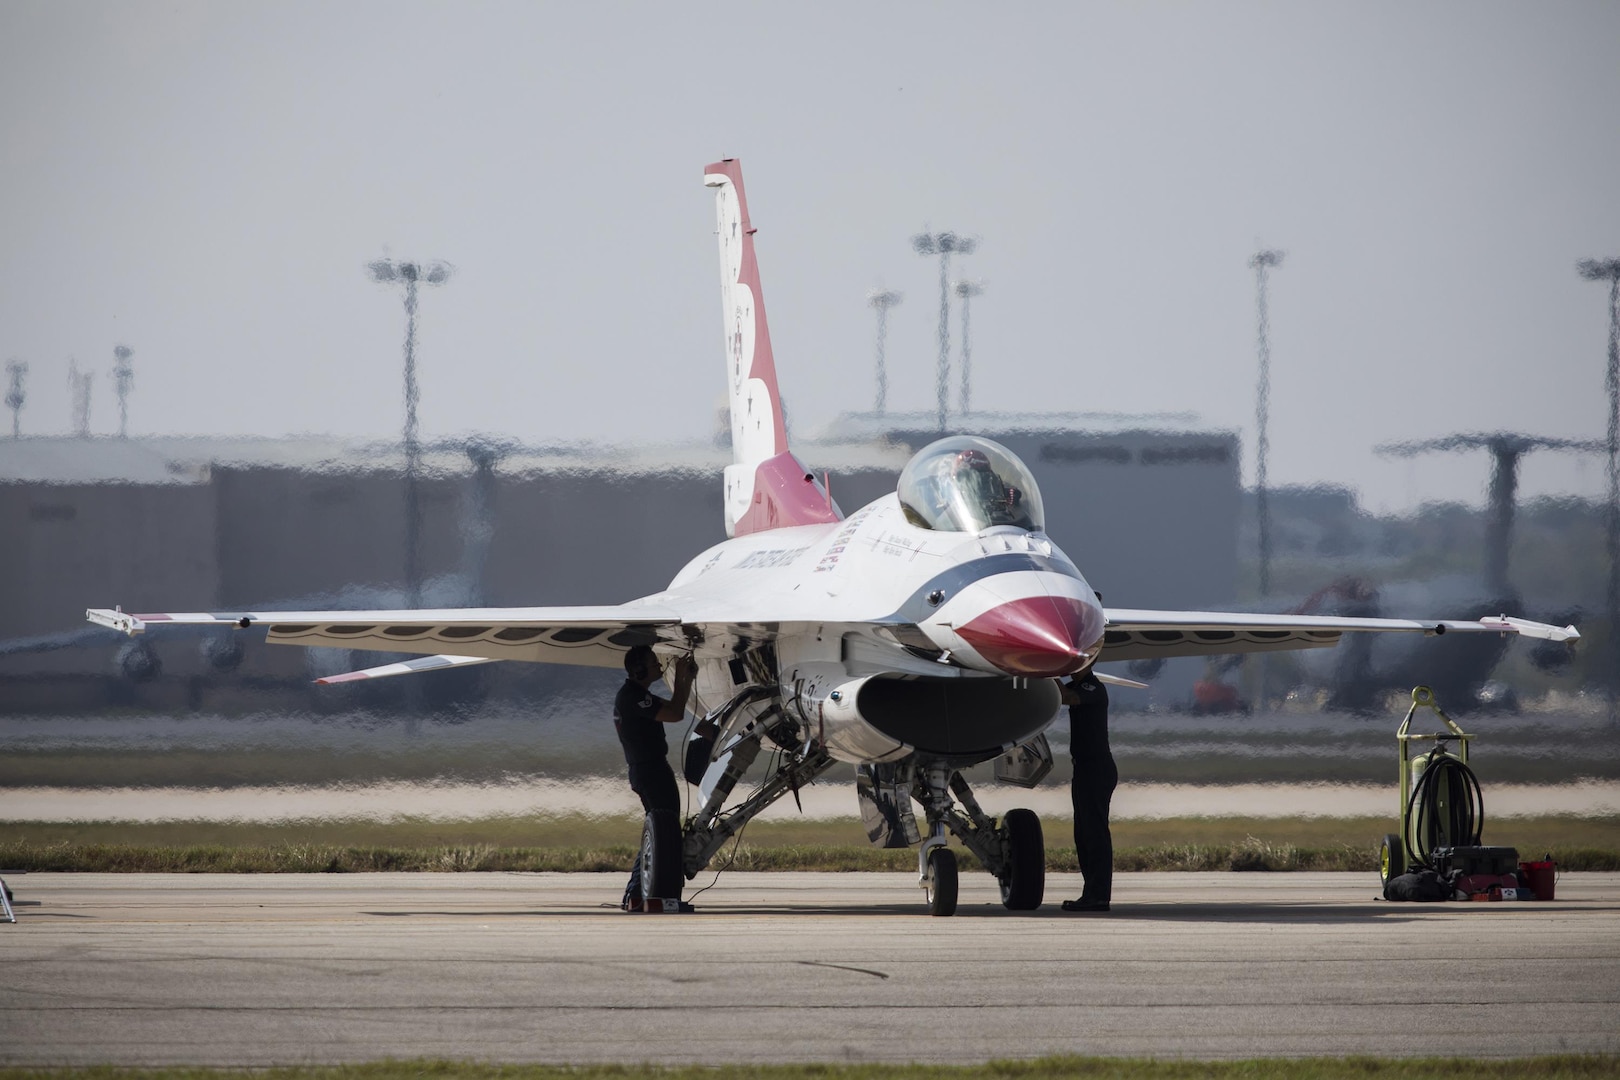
639 716
1091 790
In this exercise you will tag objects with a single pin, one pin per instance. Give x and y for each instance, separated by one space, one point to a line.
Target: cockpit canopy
968 484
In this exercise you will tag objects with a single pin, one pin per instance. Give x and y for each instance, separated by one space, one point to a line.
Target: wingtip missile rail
116 619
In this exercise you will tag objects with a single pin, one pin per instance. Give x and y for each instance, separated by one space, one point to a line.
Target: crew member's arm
1066 692
674 712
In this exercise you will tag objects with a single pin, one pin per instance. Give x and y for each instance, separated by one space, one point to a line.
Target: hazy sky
206 182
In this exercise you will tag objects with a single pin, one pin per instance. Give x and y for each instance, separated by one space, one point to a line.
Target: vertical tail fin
766 488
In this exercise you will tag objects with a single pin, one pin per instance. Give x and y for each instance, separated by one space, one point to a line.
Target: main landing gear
714 824
1012 850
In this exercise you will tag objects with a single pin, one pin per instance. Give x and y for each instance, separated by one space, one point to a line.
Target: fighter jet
916 637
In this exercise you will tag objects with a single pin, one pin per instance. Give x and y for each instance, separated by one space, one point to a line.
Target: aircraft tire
1023 882
661 855
941 890
1391 858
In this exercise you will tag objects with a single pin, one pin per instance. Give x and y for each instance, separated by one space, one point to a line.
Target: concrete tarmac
148 969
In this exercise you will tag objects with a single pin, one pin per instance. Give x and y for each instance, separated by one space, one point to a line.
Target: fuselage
878 606
1004 601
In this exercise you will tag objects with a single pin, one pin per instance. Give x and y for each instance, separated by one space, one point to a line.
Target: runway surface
256 970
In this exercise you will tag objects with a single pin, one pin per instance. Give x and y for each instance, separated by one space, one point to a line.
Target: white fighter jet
916 637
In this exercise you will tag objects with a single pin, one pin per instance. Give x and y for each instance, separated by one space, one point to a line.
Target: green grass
1558 1067
583 843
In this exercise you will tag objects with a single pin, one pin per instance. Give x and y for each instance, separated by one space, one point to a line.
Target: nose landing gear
1012 850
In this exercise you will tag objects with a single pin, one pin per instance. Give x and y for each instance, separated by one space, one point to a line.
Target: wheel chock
656 906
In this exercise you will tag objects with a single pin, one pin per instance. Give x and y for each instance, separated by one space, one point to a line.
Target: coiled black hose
1445 779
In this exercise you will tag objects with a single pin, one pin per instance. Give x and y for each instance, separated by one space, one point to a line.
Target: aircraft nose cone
1040 636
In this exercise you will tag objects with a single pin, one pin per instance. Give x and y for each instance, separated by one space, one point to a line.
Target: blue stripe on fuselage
916 607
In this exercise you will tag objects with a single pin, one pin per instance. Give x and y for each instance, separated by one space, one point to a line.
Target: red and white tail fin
766 488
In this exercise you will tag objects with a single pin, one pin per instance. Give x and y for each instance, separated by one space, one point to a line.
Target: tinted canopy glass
967 484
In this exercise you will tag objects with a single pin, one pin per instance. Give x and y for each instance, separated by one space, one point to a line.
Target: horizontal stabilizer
407 667
1115 680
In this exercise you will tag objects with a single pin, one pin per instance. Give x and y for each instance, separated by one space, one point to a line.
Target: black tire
661 856
941 890
1023 880
1391 858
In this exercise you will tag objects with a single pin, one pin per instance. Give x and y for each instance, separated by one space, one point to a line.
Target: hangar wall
1150 516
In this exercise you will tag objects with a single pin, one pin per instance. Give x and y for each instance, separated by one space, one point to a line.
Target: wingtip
116 619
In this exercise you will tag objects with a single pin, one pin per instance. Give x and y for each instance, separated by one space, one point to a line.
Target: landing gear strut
1012 850
707 831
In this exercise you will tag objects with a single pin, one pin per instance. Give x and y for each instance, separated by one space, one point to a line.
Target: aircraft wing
591 636
1132 634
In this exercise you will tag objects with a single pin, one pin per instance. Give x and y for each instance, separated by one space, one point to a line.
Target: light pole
1609 270
15 395
1262 262
967 290
124 377
944 245
387 271
882 300
80 382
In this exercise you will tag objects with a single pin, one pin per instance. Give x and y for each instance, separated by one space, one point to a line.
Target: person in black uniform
1091 790
639 717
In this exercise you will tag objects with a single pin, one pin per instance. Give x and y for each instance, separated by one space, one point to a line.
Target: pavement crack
843 967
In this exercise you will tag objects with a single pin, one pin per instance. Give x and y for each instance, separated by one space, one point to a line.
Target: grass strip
1251 854
1551 1067
577 842
1531 835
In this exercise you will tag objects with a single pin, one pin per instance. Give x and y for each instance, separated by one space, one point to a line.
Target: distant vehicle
916 637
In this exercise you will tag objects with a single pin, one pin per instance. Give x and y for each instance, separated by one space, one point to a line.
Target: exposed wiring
736 845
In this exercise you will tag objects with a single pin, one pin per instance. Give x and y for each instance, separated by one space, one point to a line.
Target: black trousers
654 782
1091 790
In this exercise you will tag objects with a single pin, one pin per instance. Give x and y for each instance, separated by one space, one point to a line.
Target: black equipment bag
1423 885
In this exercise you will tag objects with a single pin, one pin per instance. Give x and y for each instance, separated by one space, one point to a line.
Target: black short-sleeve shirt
635 717
1088 720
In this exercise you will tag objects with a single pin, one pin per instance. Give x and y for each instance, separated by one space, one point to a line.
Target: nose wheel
1012 849
939 881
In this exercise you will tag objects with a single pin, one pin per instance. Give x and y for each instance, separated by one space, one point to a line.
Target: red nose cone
1041 636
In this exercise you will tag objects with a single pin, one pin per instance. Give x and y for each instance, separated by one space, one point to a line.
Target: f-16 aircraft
919 636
